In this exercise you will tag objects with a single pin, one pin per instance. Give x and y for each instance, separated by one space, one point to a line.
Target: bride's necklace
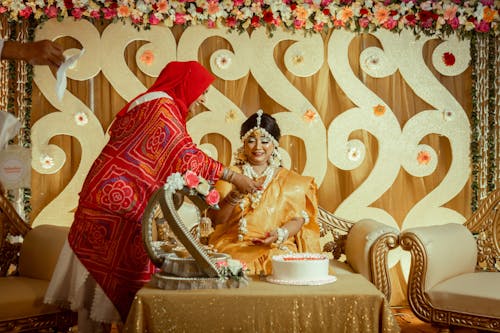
254 197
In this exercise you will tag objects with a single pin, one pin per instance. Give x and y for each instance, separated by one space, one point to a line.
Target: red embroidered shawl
147 144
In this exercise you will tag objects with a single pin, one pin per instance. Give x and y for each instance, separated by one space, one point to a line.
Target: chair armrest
365 243
367 248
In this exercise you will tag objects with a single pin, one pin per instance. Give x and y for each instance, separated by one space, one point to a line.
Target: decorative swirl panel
275 64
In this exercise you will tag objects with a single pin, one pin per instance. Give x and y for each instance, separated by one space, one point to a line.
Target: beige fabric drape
323 92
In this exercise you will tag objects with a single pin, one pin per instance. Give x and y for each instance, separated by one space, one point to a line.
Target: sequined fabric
351 304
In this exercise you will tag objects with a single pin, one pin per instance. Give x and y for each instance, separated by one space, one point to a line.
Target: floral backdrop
426 17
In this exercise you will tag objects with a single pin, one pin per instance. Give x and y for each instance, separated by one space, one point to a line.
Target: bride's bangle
233 198
282 235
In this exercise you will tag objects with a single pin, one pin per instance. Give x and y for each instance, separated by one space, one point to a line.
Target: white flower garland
253 198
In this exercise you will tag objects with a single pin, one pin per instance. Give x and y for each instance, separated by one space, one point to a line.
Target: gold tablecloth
351 304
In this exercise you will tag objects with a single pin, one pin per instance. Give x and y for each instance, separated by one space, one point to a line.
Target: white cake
300 269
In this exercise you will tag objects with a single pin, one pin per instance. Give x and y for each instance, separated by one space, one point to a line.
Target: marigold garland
428 17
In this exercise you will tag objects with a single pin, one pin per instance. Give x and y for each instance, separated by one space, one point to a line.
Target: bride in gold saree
279 218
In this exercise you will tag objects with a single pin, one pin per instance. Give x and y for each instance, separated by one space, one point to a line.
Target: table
351 304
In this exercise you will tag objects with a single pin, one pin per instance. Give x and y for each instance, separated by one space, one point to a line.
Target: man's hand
44 52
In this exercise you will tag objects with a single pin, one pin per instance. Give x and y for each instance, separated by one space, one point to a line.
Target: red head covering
183 81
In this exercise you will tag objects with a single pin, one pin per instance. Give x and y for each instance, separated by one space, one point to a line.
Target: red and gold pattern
147 144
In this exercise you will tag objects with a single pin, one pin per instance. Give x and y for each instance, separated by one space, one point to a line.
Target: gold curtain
328 99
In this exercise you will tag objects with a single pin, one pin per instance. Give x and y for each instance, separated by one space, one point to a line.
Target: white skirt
73 287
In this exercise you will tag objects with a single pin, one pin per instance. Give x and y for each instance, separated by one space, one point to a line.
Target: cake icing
300 268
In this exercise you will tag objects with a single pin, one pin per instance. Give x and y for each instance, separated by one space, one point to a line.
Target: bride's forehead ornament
262 130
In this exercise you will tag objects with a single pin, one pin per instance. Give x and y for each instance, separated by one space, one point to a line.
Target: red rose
268 16
212 198
191 179
448 59
363 11
231 21
326 11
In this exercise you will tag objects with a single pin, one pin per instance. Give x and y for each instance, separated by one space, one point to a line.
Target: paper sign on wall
15 167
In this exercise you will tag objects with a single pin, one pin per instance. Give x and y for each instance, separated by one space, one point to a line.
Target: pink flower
109 13
51 11
180 18
212 198
191 179
482 26
318 27
3 9
26 12
298 24
211 24
454 23
95 14
153 20
390 23
77 13
363 22
220 264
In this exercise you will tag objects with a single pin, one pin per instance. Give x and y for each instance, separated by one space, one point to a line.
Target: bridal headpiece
262 130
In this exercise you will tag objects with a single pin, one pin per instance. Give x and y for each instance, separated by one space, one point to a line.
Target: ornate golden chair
25 271
454 278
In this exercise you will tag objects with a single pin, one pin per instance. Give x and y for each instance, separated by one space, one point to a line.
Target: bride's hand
269 238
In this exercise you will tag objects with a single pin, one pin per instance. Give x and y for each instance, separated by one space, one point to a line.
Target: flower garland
427 17
253 198
18 100
484 118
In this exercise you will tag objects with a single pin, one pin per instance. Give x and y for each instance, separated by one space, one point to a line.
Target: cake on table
301 269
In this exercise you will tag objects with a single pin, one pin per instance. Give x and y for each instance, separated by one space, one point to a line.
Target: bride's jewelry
254 197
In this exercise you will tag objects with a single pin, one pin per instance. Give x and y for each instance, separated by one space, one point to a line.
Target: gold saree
286 196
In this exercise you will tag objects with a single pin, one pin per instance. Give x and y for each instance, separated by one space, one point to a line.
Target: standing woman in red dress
104 262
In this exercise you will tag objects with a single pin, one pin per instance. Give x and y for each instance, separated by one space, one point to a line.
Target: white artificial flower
81 119
353 154
448 115
203 187
223 61
427 5
175 182
234 266
46 161
14 239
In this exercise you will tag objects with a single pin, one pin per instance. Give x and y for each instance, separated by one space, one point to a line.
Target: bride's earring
239 157
275 158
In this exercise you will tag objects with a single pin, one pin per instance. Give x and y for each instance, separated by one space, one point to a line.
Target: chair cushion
23 297
40 251
473 293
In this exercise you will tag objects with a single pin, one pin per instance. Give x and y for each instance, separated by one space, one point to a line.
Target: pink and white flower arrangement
194 184
427 17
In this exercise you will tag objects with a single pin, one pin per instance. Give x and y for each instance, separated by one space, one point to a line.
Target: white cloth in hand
61 82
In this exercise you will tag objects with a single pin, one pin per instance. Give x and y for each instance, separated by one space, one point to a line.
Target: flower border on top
430 17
